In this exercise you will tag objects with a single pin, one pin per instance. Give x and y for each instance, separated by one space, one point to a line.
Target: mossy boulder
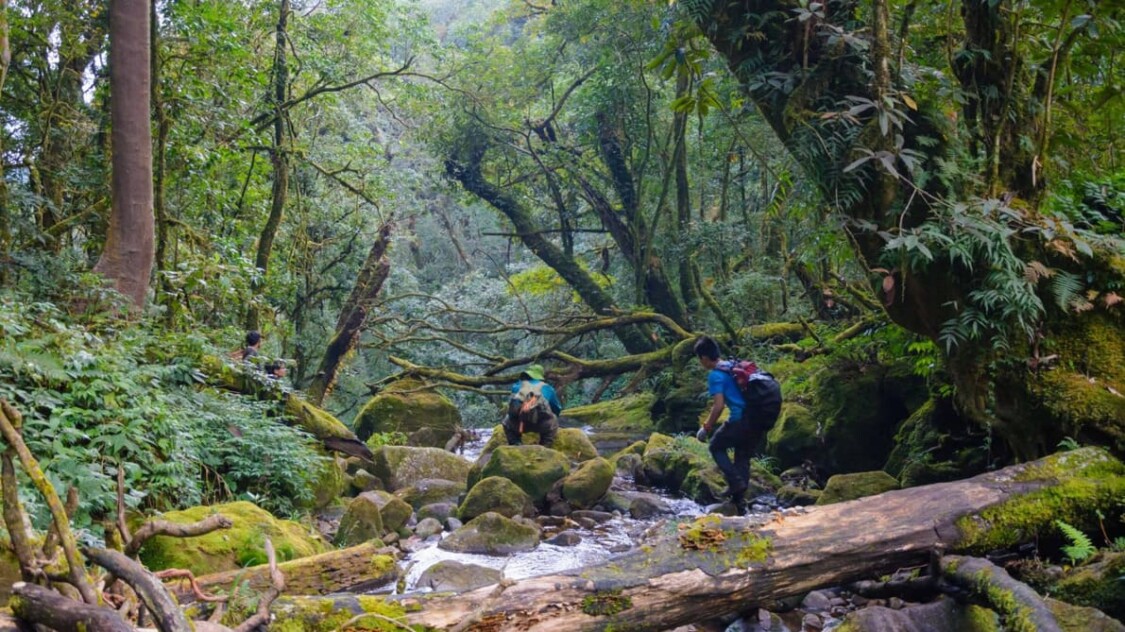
667 461
451 576
935 445
588 483
334 612
533 468
394 510
575 444
403 466
1072 618
843 487
406 406
944 615
492 534
794 496
705 485
228 549
429 438
795 436
330 481
1098 585
315 420
361 522
630 413
431 490
496 494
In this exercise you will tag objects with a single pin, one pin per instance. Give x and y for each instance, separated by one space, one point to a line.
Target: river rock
364 481
534 468
428 527
574 443
453 524
496 494
816 601
944 615
406 406
645 506
843 487
566 538
1097 584
438 511
429 437
394 510
402 466
431 490
588 483
1073 618
361 522
597 516
492 534
450 576
796 497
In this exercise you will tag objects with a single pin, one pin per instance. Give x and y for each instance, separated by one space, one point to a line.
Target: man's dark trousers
743 439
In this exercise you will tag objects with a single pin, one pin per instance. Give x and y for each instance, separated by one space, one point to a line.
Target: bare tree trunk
683 193
278 158
160 165
128 255
5 217
353 316
722 566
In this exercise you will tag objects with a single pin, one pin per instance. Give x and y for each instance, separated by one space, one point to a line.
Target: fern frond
1080 548
1065 287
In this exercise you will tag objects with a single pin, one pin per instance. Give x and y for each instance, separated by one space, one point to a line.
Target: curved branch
161 527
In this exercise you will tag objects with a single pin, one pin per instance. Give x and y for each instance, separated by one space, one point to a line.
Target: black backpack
760 390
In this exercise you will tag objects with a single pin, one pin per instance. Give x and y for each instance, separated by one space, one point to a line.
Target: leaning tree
932 132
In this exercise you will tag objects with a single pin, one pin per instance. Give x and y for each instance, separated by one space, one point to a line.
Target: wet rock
496 494
450 576
431 490
566 538
597 516
438 511
944 615
492 534
816 601
585 523
413 544
812 622
428 527
645 506
791 495
843 487
390 538
361 522
615 501
533 468
551 521
895 603
402 466
452 524
429 437
628 463
586 485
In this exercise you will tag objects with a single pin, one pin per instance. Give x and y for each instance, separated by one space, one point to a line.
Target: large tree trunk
278 158
1008 96
127 258
719 567
353 316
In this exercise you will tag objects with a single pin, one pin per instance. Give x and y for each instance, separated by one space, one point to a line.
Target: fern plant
1080 547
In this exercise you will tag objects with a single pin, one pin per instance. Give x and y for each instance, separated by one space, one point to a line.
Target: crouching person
533 407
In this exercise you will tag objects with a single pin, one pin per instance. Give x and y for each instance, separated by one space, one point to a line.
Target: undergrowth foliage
95 395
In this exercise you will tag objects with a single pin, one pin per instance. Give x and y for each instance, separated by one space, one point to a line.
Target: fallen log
719 566
35 604
355 568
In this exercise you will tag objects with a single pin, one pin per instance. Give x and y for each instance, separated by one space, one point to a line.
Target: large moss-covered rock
945 615
1072 618
794 437
574 443
361 522
451 576
842 487
315 420
228 549
667 461
402 466
629 413
394 510
333 613
492 534
431 490
587 484
499 495
533 468
406 406
330 481
1098 585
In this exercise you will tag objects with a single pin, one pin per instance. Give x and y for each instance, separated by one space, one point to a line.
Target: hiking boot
736 492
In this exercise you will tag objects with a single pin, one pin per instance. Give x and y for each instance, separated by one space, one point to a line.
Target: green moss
630 413
497 494
362 612
1089 480
844 487
604 604
754 548
795 436
314 420
404 407
1097 585
534 469
228 549
777 331
588 483
976 618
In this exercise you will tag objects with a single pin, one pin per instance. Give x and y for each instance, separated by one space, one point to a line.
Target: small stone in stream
551 521
596 516
566 538
838 601
859 601
812 622
759 508
586 523
816 601
452 524
838 611
428 527
413 544
390 538
620 548
895 603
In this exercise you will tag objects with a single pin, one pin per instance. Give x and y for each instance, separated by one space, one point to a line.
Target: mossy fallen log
356 568
717 566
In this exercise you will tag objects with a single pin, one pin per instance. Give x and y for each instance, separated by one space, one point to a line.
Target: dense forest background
451 190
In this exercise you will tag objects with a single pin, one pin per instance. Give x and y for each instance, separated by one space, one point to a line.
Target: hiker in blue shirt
737 432
533 407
